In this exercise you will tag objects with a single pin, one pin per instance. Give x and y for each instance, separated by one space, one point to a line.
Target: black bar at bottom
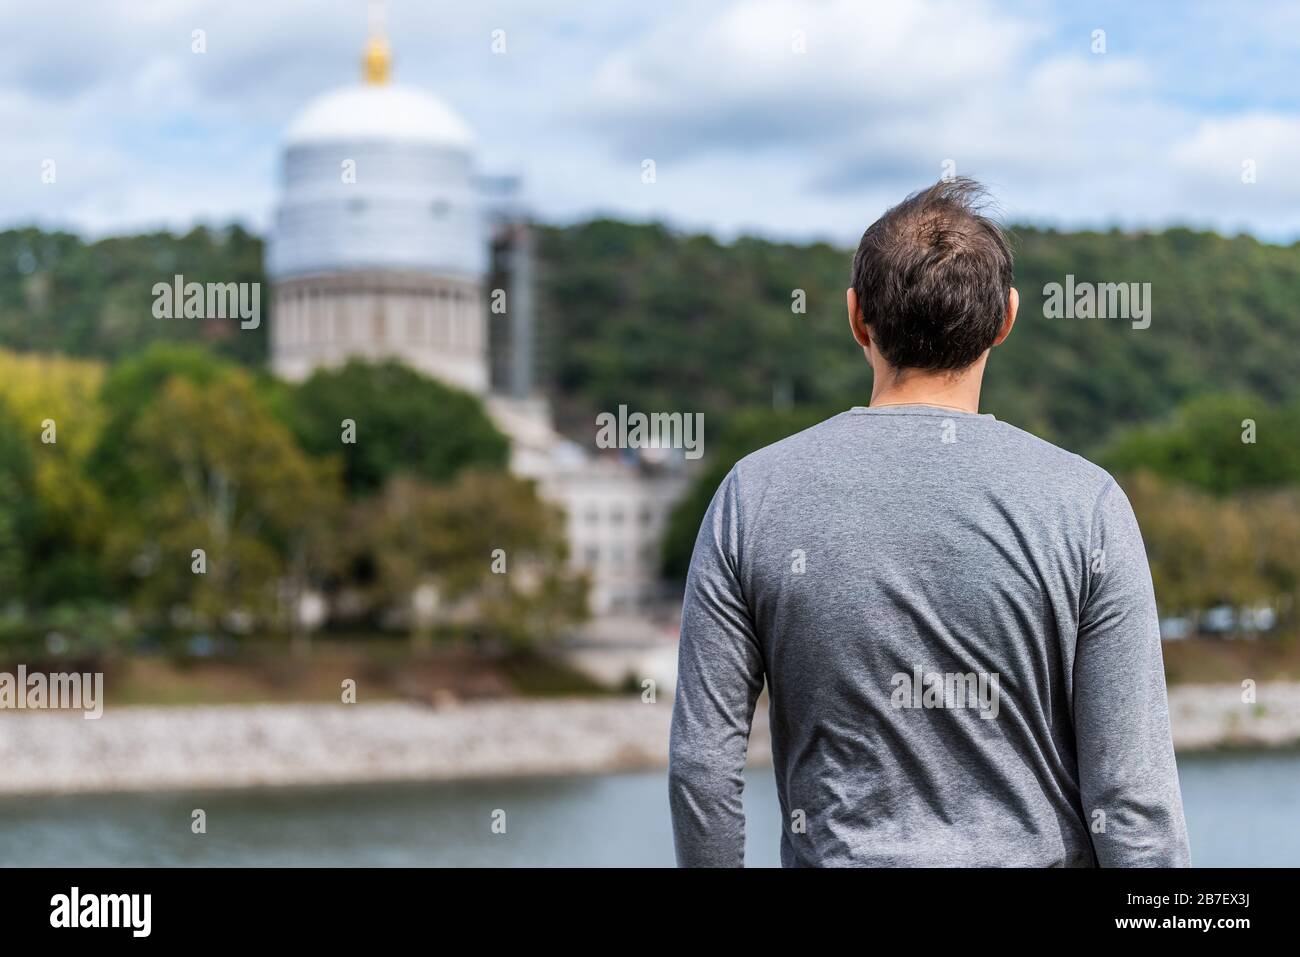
330 907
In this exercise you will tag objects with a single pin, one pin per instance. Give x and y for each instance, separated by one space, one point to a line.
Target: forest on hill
1197 412
642 315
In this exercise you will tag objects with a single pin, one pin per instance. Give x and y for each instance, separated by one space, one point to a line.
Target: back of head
932 278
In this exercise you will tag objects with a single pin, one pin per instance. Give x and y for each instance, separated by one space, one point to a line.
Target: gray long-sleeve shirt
958 631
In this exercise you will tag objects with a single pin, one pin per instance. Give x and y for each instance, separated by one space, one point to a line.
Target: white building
380 249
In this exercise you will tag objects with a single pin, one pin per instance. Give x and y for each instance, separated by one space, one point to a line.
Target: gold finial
376 62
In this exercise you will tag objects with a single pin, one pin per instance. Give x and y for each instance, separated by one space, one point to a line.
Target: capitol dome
378 176
379 112
379 244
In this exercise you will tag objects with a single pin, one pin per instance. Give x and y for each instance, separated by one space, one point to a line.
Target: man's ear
860 332
1013 306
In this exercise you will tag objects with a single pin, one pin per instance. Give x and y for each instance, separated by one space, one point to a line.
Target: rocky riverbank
166 748
153 748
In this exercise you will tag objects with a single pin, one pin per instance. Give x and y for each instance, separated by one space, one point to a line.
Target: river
1242 809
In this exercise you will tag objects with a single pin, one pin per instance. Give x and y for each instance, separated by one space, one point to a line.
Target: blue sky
750 129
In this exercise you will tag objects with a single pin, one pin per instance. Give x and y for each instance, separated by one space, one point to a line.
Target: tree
17 506
52 405
1199 548
402 422
1207 550
59 293
131 388
1219 443
489 552
1274 519
216 472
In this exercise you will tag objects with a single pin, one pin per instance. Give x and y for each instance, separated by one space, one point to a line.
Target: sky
792 120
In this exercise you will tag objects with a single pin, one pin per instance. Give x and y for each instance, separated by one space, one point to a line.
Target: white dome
379 112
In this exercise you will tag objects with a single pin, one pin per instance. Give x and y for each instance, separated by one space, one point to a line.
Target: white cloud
881 100
1216 149
737 78
746 132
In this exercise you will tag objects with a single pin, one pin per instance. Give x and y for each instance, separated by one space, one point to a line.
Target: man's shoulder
1077 472
814 442
1021 453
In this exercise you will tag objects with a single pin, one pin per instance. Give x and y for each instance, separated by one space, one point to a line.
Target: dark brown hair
932 276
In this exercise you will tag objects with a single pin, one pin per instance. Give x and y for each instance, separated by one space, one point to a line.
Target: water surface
1242 809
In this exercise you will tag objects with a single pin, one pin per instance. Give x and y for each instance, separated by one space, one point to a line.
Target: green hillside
1198 415
642 315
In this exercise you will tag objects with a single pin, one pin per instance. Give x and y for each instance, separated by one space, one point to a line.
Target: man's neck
958 392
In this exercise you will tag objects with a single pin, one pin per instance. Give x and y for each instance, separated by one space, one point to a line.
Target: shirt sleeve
1128 780
719 678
